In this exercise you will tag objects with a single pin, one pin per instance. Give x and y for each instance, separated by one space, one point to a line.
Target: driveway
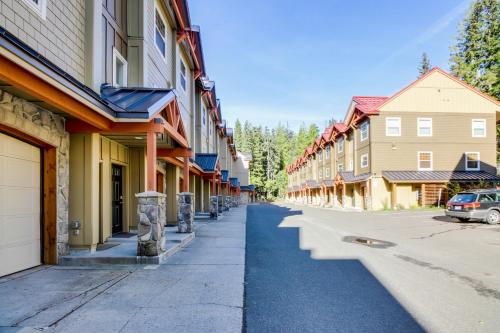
410 271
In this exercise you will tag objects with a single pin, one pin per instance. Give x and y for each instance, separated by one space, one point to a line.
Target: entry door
159 182
117 199
20 172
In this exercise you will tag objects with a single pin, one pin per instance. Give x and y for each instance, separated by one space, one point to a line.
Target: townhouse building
401 151
100 100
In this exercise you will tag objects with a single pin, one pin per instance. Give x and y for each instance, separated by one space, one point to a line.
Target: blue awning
208 162
234 182
225 175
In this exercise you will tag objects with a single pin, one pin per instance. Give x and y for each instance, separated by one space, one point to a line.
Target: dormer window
183 76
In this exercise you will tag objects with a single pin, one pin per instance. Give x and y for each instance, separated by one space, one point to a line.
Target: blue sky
301 61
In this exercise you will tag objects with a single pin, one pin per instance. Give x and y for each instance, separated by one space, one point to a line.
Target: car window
487 197
464 198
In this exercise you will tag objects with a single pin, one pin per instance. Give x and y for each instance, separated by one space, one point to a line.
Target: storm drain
370 242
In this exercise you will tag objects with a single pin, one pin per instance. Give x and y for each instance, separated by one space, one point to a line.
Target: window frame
164 20
367 131
40 8
327 152
361 161
327 172
340 144
478 168
183 75
320 155
419 160
118 56
387 119
340 167
419 127
484 128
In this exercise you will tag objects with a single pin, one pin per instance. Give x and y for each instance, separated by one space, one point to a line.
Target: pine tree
257 165
476 56
312 133
246 137
425 65
238 135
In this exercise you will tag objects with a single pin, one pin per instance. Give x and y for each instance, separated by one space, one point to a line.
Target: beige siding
59 37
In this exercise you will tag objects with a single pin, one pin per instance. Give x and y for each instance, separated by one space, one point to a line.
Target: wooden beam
78 126
185 172
151 161
174 152
49 207
31 84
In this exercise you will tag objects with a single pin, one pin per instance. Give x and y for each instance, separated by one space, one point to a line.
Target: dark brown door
159 182
117 198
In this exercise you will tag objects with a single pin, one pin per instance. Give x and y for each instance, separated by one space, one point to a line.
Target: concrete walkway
199 289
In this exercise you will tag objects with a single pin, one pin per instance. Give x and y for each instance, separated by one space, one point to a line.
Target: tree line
474 58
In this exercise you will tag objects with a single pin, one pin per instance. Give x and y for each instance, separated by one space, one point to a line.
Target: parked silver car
483 205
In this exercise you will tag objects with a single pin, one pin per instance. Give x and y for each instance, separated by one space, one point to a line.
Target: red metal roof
369 104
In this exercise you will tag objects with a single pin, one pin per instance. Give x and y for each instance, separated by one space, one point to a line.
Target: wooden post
394 195
185 172
422 196
151 161
213 189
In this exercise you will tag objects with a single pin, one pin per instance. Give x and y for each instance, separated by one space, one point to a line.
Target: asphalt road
422 272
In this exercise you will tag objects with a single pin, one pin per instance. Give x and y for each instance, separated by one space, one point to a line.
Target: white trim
162 17
419 127
40 9
387 119
117 55
472 128
478 161
361 160
365 123
418 160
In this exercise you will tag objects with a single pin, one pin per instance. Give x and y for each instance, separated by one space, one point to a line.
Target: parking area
444 272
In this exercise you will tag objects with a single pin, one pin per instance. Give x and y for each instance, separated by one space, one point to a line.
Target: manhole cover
370 242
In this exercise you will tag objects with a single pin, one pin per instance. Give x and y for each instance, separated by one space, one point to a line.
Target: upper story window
478 128
210 127
203 115
364 160
160 33
183 76
340 167
425 161
340 145
424 126
327 152
320 155
393 126
472 161
363 131
38 6
327 172
351 165
320 173
119 69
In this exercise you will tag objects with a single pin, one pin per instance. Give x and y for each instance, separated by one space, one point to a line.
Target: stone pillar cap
185 193
150 194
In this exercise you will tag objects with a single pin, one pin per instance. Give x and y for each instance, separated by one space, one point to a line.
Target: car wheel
493 217
463 219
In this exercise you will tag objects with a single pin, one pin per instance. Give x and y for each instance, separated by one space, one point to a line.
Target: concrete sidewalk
199 289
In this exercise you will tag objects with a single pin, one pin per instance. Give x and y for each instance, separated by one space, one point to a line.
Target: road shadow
288 291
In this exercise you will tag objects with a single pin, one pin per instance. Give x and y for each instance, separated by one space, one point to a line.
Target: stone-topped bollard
227 202
344 201
335 201
214 207
151 210
219 209
185 214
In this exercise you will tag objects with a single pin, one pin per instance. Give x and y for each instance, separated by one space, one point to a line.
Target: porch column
422 195
334 196
368 200
212 183
151 161
185 174
344 195
394 195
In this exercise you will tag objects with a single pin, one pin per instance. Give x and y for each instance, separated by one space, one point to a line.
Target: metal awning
207 162
438 176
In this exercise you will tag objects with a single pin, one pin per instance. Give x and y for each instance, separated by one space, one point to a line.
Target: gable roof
208 162
369 104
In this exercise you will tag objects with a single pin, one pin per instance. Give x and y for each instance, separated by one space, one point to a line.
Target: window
424 161
340 167
320 173
478 128
160 33
119 69
183 75
327 152
364 160
351 165
363 131
209 127
320 155
204 114
340 146
327 172
424 126
472 162
38 6
393 126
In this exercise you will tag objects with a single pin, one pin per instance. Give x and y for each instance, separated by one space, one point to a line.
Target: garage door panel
20 179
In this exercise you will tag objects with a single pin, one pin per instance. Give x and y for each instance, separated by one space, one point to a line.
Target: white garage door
19 205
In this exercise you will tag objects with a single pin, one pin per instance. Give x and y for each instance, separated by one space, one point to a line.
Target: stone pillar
151 209
335 202
185 214
214 207
227 202
219 209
